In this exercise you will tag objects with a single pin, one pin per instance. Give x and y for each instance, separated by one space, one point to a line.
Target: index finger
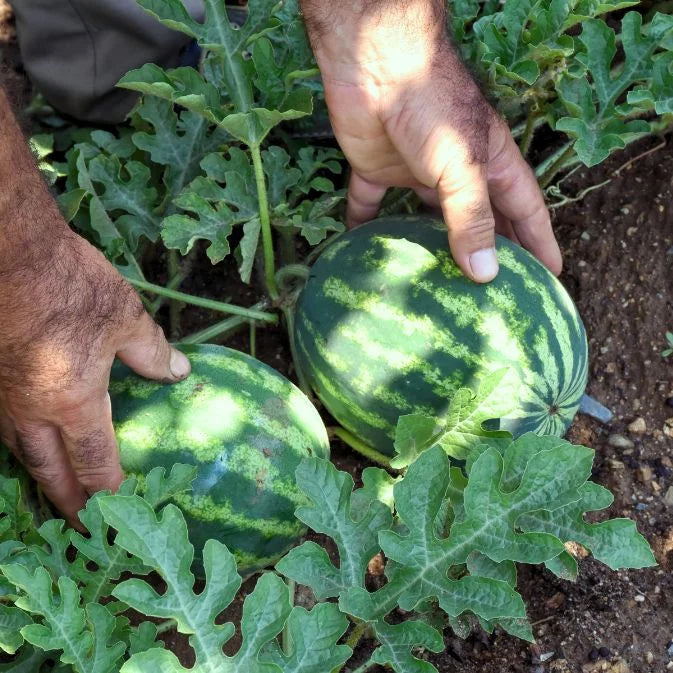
89 439
515 192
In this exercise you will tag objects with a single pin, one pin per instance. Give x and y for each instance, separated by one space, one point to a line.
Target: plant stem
292 271
167 625
214 305
173 284
315 253
288 312
267 238
222 328
174 307
364 668
362 448
288 253
556 165
253 338
528 132
354 638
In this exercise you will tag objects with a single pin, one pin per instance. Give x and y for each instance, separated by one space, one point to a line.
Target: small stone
668 498
593 655
668 427
556 601
585 236
605 349
639 598
631 230
644 474
669 400
649 657
616 464
641 507
669 649
610 368
637 426
620 442
604 652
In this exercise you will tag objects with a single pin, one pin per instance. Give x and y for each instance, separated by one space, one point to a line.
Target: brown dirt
618 247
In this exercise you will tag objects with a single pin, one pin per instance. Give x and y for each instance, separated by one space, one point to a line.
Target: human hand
66 314
407 113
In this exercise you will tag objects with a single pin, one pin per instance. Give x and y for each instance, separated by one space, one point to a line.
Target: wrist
376 41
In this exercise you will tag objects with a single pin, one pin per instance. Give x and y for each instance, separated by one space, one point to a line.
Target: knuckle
31 453
91 450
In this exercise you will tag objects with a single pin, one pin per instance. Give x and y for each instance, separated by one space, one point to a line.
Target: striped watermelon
387 325
245 427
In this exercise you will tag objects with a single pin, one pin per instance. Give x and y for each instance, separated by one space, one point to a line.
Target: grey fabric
75 51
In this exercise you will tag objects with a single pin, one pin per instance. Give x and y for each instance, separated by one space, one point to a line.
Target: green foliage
667 352
557 61
181 169
457 532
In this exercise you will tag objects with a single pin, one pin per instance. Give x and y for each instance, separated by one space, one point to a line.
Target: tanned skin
66 313
407 113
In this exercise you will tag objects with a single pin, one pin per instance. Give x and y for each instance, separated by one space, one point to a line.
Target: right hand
407 113
66 313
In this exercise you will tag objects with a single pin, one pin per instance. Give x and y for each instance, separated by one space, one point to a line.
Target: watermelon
388 325
245 427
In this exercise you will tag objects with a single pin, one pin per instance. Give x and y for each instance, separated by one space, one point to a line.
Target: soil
618 249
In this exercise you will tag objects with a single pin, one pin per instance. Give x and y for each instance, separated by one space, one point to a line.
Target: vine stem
364 668
556 165
292 271
174 307
167 625
528 132
214 305
288 312
222 328
267 238
354 638
362 448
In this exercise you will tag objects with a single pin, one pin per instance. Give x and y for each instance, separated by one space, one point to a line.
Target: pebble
668 427
610 368
649 657
639 598
637 426
604 652
668 498
641 506
593 655
669 649
644 474
669 400
585 236
620 442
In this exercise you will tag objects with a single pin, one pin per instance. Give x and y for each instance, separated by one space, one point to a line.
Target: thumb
469 217
149 354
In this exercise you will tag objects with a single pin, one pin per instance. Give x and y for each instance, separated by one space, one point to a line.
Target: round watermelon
388 325
245 427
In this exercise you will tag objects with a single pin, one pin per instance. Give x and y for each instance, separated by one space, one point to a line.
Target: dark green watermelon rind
367 330
245 427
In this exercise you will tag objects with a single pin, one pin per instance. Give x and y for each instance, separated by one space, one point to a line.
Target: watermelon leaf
596 120
330 492
83 635
162 543
397 642
462 429
12 620
313 636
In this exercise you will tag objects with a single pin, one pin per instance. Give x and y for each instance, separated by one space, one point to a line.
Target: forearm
29 217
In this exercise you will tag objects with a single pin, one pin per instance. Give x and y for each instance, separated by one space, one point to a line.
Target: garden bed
618 251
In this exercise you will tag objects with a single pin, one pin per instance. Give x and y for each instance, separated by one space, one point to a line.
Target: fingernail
179 365
484 265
